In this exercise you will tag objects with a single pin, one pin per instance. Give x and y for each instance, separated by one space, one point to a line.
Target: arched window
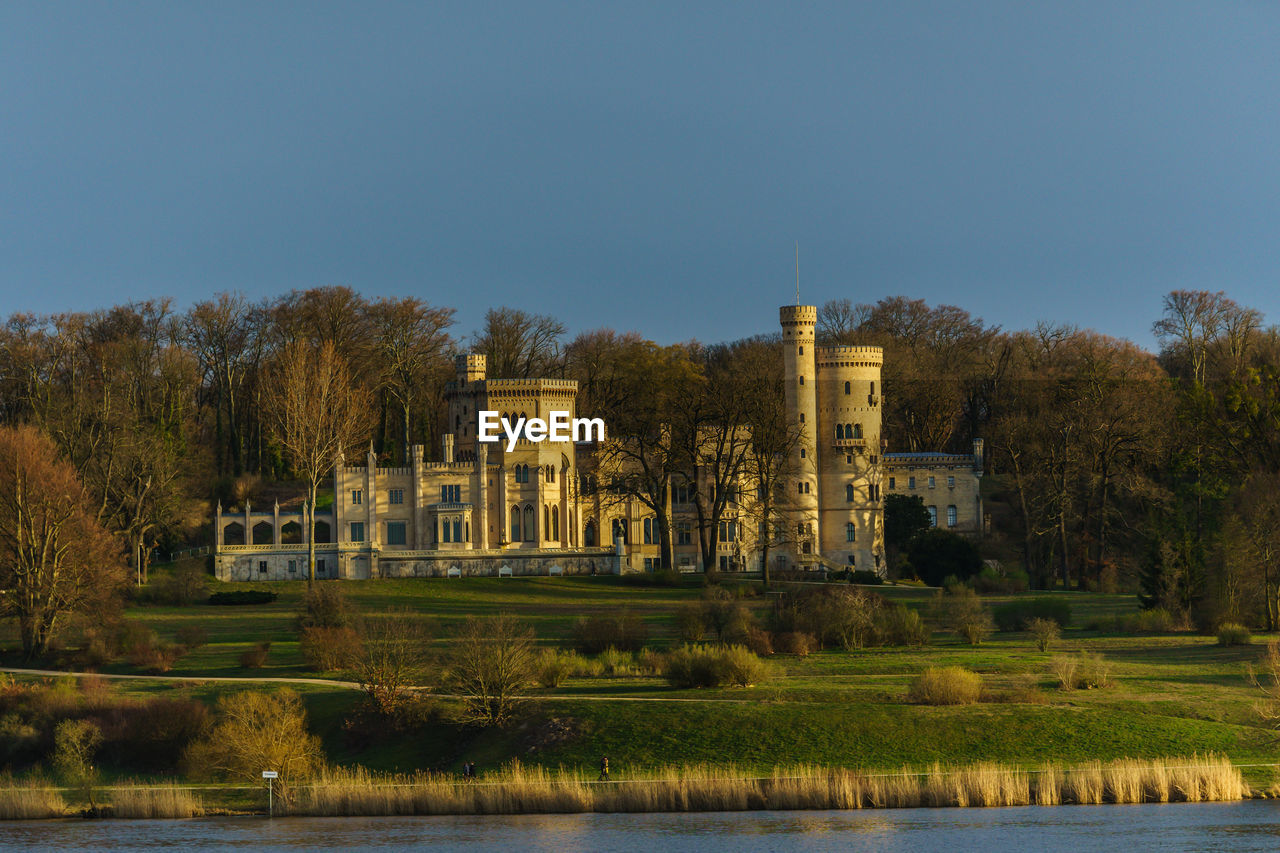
857 430
589 533
515 524
546 522
457 530
555 523
848 492
873 389
551 473
848 387
839 430
444 530
529 522
850 532
801 380
648 532
620 530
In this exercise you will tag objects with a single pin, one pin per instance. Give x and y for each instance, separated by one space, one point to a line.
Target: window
357 531
530 529
684 536
803 453
728 531
262 567
724 563
395 533
839 431
357 497
848 492
893 483
801 350
872 460
873 389
931 482
444 530
457 530
951 516
850 532
857 430
450 494
293 565
911 482
801 380
933 516
849 458
319 568
515 524
951 482
395 496
848 387
648 531
802 417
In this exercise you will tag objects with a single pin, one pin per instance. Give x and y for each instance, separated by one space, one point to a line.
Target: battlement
526 385
470 367
851 350
798 315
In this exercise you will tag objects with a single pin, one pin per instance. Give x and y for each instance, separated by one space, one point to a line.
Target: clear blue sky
645 165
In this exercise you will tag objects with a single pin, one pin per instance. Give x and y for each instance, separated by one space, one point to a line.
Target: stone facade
536 509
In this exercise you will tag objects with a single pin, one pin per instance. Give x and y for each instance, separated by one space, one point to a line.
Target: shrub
146 651
963 612
1080 672
713 666
759 641
999 580
255 657
902 626
553 666
615 663
865 576
795 643
1014 615
664 577
1045 631
75 742
183 586
325 605
835 615
691 622
624 632
948 685
1233 634
491 663
243 596
937 554
1156 620
740 666
329 649
193 636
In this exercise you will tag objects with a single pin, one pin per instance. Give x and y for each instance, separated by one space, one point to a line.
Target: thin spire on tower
797 272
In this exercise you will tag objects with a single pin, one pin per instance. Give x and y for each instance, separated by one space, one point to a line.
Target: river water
1252 825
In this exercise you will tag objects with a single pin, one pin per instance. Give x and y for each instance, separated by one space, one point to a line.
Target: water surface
1247 826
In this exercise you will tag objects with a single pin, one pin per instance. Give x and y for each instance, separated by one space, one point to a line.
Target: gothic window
850 532
515 524
555 523
839 430
848 387
848 492
857 430
647 531
457 530
529 529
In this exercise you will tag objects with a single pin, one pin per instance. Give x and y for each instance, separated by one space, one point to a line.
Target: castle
536 509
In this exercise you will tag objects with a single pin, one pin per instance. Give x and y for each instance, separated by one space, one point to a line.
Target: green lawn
1175 694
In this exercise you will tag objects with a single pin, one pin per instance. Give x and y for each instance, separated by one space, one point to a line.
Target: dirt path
351 685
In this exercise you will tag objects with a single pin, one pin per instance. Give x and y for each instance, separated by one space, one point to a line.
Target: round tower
849 449
798 322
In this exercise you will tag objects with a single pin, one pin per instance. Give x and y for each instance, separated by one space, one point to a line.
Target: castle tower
849 451
470 367
798 322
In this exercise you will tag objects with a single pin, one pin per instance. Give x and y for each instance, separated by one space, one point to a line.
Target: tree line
1110 466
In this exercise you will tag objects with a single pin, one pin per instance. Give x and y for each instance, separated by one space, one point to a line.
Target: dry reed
29 800
518 789
153 801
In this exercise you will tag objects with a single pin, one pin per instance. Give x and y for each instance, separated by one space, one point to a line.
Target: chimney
977 456
447 443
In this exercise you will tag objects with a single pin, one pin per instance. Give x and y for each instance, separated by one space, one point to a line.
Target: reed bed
517 789
29 800
153 801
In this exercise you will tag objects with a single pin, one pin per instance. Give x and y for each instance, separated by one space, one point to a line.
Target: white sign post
269 775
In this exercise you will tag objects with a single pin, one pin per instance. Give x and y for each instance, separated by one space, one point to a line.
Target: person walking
604 768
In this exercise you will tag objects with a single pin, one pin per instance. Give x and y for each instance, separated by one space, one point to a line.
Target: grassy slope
1173 696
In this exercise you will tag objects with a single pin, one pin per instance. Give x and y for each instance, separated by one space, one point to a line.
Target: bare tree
315 412
491 666
393 654
55 559
520 345
411 340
